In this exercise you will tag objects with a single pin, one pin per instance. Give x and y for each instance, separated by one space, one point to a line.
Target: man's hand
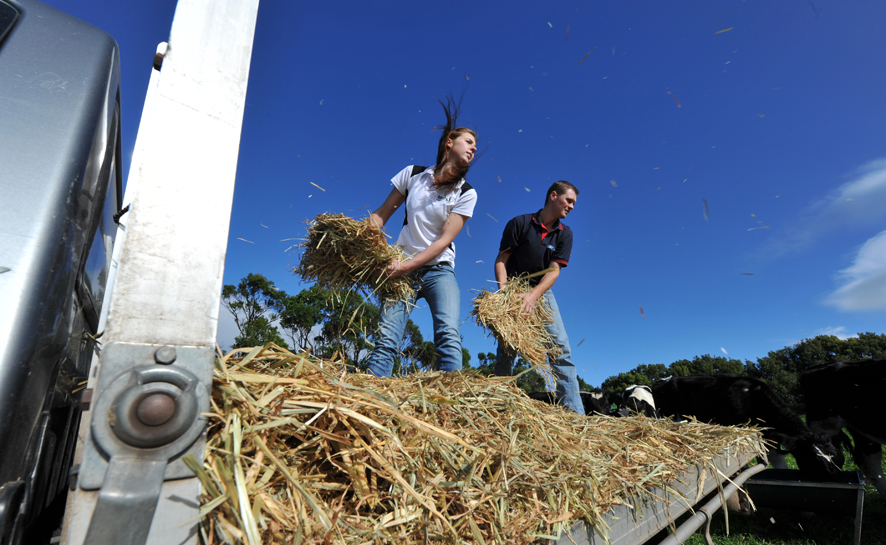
529 300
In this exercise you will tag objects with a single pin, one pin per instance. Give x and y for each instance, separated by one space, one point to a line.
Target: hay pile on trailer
501 313
300 450
341 252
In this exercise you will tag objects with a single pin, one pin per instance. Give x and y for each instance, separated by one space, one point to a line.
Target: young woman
438 203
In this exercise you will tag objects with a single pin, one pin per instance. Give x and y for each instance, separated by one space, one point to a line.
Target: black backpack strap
465 187
416 170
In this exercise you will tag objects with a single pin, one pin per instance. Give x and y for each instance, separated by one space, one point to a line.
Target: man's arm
501 271
544 285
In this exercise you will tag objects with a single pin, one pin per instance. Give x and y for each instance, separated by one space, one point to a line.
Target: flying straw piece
761 227
706 216
724 30
244 240
586 56
263 225
493 219
673 96
317 186
579 343
642 313
567 34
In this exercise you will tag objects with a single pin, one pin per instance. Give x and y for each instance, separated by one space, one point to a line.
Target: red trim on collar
535 219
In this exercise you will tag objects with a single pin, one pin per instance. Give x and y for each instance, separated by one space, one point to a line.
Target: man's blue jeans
437 284
564 369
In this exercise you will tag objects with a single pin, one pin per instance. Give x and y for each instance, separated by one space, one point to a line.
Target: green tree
782 368
258 332
253 303
487 363
584 386
415 352
299 314
706 365
530 382
349 327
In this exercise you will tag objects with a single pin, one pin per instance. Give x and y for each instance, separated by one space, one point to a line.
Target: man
533 243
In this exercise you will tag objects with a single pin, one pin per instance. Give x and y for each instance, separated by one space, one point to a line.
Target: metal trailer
648 515
154 293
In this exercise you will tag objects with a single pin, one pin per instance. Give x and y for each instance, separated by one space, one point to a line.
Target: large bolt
155 410
165 355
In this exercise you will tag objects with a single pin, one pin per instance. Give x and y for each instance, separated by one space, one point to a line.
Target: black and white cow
732 401
595 401
638 400
847 395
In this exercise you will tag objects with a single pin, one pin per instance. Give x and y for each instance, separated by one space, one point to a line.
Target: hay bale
300 451
501 313
341 252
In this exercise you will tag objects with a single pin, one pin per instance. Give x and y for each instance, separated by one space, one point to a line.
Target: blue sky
781 129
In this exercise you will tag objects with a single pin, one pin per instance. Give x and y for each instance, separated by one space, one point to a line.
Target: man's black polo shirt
533 247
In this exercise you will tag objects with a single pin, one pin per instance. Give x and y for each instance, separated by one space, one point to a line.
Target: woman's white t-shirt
427 210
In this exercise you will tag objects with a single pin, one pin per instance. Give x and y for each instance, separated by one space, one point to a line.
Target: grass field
786 527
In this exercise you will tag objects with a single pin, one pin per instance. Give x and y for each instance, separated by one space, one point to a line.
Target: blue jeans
564 369
437 284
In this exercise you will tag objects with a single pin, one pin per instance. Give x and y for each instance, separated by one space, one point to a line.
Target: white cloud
839 332
857 204
864 282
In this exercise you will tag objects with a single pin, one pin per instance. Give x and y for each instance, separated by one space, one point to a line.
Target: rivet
165 355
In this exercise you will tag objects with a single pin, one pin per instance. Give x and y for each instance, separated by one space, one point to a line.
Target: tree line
341 323
779 368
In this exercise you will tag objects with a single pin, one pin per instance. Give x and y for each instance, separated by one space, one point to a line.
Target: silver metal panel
181 182
634 526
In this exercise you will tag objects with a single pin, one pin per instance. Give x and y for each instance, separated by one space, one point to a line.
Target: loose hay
341 252
301 451
501 313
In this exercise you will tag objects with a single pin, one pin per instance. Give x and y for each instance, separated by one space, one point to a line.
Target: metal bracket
146 417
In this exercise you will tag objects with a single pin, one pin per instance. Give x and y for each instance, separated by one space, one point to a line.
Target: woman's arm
381 216
451 228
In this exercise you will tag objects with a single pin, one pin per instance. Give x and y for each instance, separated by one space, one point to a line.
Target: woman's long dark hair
448 174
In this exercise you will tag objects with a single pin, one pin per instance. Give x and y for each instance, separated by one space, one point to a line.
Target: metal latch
146 416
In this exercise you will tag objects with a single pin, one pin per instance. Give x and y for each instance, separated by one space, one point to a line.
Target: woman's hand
398 268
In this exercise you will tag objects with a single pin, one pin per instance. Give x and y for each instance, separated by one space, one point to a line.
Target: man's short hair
559 187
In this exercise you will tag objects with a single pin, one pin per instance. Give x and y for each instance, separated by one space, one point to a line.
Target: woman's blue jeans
564 369
437 284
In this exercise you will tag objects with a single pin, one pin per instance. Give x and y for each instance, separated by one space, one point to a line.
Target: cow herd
837 396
